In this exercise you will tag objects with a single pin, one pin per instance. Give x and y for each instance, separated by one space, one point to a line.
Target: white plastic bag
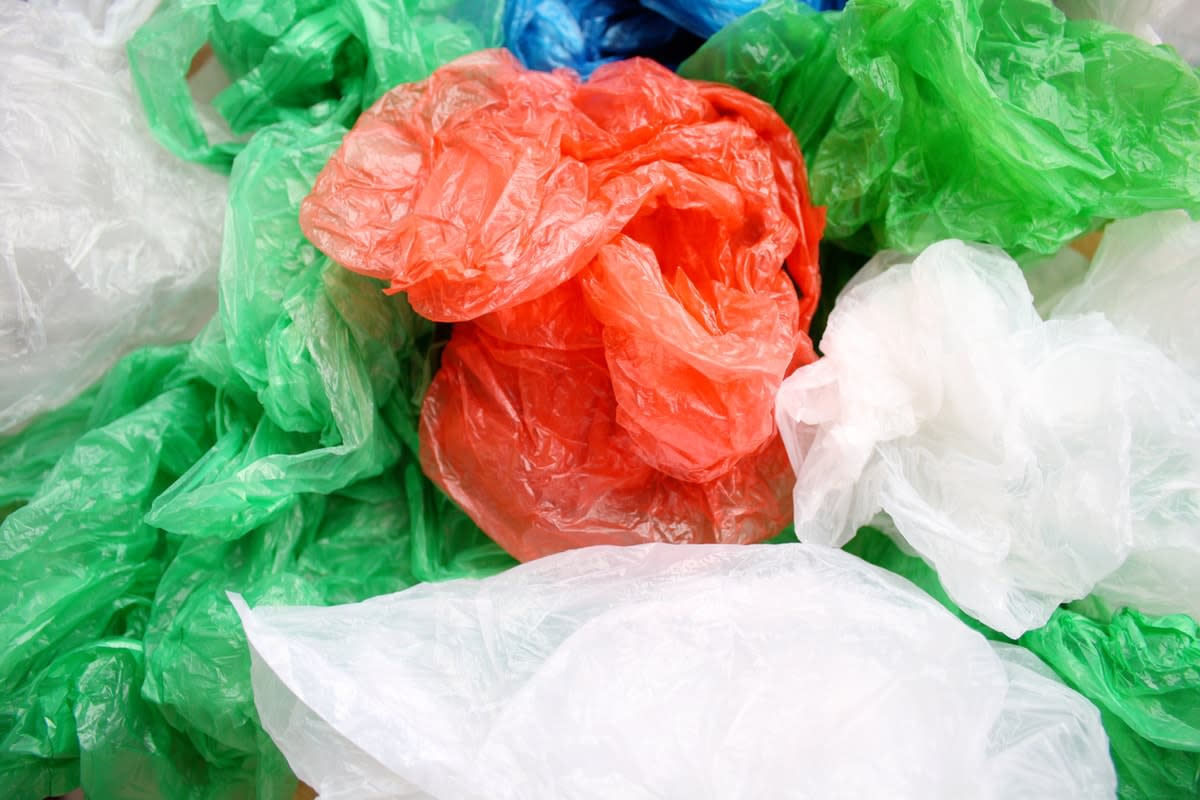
107 241
1145 278
1029 462
674 672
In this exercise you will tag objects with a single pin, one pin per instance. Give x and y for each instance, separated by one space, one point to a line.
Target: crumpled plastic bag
1172 21
583 34
1145 279
667 671
276 456
1142 672
612 254
1030 462
303 61
106 242
996 121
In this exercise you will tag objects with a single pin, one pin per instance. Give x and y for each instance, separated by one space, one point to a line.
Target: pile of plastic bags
795 306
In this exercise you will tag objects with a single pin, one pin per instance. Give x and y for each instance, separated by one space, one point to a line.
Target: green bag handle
160 55
299 77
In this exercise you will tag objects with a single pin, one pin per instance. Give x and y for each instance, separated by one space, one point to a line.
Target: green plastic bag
274 457
996 121
304 61
1142 672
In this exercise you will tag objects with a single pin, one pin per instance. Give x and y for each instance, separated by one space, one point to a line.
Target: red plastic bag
613 255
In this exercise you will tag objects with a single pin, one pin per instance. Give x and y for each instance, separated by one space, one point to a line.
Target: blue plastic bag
583 34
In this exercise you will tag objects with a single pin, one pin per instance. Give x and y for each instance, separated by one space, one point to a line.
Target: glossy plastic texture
277 456
1031 462
1145 278
623 313
1142 672
667 671
996 121
1175 22
583 34
106 242
304 61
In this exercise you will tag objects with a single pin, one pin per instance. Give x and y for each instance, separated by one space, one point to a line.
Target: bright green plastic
996 121
304 61
275 457
1143 673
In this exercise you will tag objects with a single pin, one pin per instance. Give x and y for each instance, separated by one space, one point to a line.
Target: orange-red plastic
614 255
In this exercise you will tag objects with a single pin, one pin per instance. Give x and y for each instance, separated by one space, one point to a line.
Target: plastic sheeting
623 316
1145 279
996 121
107 243
301 61
275 456
583 34
667 671
1176 22
1031 462
1140 671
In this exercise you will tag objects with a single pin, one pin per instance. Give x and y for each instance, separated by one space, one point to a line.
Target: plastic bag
276 457
583 34
996 121
1142 672
1030 462
106 242
666 671
623 315
304 61
1145 278
1173 21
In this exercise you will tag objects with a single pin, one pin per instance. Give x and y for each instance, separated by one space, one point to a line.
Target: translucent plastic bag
1142 672
277 456
1174 21
1030 462
304 61
667 671
1145 278
583 34
106 242
623 313
996 121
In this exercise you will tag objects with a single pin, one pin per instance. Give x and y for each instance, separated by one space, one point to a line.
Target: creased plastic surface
996 121
613 255
1145 279
1031 462
303 61
106 242
1175 22
667 671
277 457
1142 672
583 34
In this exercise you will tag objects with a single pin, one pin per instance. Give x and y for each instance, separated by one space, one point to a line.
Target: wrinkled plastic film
108 243
1171 21
583 34
602 316
946 401
1138 670
311 62
276 457
999 122
704 670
